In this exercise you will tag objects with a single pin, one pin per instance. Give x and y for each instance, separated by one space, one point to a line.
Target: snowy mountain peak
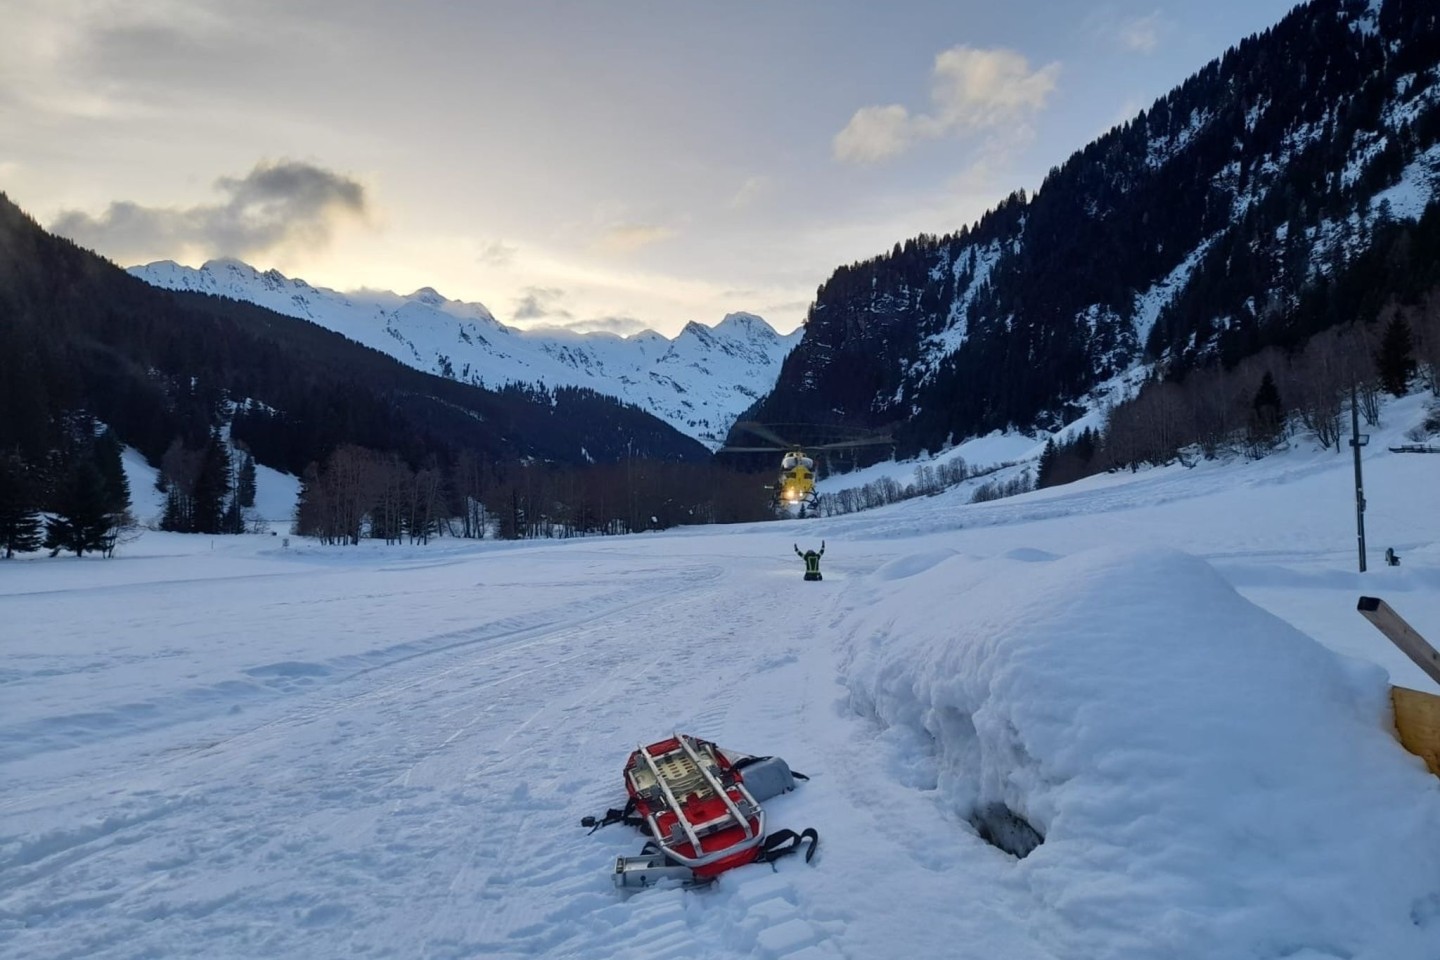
232 266
428 296
699 382
745 325
697 330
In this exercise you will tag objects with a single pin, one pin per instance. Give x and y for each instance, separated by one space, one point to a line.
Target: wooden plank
1400 633
1417 722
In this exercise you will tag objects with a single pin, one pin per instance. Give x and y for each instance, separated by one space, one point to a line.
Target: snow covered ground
230 747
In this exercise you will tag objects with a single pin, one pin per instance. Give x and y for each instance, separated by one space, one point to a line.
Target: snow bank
1209 781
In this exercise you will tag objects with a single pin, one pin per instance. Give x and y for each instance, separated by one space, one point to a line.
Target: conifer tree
1267 417
245 483
176 516
1395 361
212 486
82 520
19 520
233 520
1269 412
178 469
110 462
1044 473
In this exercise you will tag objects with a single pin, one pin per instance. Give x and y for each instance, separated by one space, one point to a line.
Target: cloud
541 303
1135 34
971 90
737 294
497 254
1142 35
875 134
85 60
274 206
987 88
750 191
621 326
629 237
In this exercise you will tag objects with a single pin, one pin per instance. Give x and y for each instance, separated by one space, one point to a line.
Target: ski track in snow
438 789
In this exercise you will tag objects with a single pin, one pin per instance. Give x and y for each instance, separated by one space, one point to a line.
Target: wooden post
1416 713
1400 633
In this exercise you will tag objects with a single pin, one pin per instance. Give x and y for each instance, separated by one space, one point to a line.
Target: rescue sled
692 799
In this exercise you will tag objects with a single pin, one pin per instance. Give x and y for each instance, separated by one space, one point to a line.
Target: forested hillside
88 351
1221 220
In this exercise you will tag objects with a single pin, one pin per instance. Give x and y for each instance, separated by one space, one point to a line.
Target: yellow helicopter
797 478
796 484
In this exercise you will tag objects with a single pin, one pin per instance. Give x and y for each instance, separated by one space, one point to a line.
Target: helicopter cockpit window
789 462
807 463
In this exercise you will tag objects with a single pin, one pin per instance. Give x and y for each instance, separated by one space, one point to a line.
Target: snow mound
1208 780
913 564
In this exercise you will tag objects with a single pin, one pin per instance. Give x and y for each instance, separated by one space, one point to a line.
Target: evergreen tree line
358 494
170 373
206 490
79 336
76 500
1265 399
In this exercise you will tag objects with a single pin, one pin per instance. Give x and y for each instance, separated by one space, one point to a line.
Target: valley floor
240 747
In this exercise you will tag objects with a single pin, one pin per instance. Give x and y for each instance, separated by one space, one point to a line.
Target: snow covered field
226 747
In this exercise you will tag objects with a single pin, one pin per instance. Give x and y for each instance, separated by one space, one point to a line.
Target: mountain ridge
158 366
698 381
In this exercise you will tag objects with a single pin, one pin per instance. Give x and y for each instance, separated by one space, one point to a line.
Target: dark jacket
811 557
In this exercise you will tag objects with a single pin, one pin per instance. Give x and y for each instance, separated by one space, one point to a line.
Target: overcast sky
609 164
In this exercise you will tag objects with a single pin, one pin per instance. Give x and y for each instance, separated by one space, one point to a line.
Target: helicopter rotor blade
763 432
844 444
752 450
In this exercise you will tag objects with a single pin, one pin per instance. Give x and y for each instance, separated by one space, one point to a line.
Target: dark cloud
541 303
275 205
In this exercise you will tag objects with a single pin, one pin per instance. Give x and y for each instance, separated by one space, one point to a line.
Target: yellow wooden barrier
1417 724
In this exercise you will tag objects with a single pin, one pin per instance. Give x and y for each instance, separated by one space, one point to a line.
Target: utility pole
630 482
1357 440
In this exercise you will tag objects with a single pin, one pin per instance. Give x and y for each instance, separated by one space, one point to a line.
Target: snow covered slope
698 382
220 747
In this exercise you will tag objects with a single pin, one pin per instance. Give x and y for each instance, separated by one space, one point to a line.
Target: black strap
625 816
782 843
